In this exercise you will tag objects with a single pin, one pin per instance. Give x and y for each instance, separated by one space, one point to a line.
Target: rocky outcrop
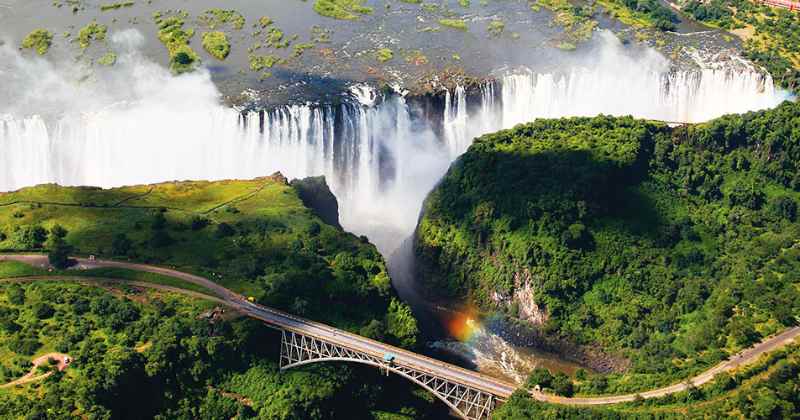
524 298
316 195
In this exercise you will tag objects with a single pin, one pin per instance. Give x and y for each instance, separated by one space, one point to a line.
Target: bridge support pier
468 402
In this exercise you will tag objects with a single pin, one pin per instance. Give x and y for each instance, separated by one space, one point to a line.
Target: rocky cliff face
521 302
316 195
524 297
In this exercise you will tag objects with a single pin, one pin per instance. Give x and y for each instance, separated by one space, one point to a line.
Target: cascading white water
379 160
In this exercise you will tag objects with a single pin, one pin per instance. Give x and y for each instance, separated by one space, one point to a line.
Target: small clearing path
62 359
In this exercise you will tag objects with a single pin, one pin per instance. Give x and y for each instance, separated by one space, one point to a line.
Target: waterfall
379 159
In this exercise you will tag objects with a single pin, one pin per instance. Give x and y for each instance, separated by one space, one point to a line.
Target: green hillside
666 247
255 237
148 354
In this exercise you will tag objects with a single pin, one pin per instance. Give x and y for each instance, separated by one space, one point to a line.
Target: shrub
59 253
15 294
121 245
39 41
108 60
58 231
30 236
91 32
562 384
459 24
224 230
341 9
217 44
199 223
24 345
747 196
373 330
401 324
784 207
159 221
496 28
160 239
541 377
43 310
384 54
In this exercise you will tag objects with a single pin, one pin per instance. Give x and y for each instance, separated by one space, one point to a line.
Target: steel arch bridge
468 402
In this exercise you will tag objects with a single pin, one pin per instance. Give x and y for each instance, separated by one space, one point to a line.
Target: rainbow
464 325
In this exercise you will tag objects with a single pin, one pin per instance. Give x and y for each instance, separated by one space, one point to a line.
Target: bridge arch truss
468 402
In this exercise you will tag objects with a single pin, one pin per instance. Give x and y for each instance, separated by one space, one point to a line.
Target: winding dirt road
63 362
497 387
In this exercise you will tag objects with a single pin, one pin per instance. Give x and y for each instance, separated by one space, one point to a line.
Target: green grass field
94 217
255 237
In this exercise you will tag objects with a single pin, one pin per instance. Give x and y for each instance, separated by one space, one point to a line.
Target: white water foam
140 125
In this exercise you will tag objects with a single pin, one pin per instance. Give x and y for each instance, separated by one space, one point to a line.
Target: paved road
740 359
406 358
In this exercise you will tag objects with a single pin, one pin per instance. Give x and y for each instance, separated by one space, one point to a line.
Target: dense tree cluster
663 18
149 355
767 390
671 247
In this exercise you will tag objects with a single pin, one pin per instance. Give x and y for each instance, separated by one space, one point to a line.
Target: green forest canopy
670 246
145 354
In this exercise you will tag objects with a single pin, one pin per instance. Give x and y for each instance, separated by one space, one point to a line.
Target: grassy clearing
14 269
11 269
125 274
255 237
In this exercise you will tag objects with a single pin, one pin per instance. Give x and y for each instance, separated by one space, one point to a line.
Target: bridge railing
388 349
